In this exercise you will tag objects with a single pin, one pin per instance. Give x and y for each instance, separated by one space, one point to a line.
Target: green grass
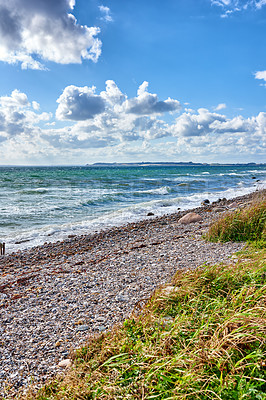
247 224
203 338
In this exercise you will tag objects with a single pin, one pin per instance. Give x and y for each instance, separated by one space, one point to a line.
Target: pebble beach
54 296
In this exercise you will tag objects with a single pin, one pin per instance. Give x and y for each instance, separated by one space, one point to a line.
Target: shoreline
52 297
99 231
51 230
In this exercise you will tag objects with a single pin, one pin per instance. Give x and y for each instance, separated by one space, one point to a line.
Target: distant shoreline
139 164
171 164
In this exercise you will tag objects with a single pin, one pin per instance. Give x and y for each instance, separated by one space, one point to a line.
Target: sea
47 204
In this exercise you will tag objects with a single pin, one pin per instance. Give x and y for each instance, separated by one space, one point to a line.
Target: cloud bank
108 125
81 103
33 31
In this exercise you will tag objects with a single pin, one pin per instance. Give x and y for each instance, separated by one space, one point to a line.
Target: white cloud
189 124
112 94
79 104
35 105
16 100
220 106
260 3
222 2
147 103
260 75
231 6
237 124
17 116
106 13
36 30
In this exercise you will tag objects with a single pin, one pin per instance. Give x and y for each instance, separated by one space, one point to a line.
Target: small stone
190 218
79 322
167 321
205 202
150 214
65 363
233 205
169 289
100 319
122 298
101 328
219 209
82 328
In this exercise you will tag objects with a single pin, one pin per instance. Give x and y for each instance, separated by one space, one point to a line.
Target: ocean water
46 204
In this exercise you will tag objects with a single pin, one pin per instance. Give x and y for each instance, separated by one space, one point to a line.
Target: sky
85 81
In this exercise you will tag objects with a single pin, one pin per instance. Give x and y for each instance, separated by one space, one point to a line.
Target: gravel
54 296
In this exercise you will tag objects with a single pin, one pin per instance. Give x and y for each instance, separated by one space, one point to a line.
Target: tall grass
246 224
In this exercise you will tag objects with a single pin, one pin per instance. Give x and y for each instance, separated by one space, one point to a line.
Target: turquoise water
40 204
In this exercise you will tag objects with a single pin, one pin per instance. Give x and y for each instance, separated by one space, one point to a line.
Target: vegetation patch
245 224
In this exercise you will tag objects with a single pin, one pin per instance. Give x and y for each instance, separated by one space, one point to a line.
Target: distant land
170 164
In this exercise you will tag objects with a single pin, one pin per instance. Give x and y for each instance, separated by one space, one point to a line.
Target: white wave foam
162 190
256 171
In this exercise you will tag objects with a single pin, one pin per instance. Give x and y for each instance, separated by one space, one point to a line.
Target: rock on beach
190 218
65 363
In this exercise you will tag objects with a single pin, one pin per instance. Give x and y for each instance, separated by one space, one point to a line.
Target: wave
33 191
256 171
162 191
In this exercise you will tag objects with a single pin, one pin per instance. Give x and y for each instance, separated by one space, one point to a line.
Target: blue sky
89 80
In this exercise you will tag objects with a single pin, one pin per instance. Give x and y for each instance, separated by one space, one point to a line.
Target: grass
247 224
203 338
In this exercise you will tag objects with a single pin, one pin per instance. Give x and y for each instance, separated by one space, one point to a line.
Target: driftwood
2 249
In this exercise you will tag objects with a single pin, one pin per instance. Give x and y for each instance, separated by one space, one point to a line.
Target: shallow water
40 204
